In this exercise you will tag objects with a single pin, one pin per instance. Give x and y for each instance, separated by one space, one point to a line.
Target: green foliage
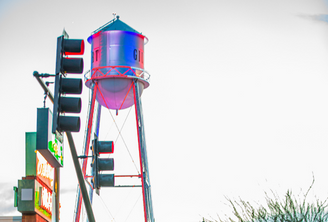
287 209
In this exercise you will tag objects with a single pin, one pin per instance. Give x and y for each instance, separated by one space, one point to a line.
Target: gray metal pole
43 85
80 178
57 189
77 166
57 170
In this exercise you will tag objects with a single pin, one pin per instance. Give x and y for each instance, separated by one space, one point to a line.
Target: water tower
117 63
117 79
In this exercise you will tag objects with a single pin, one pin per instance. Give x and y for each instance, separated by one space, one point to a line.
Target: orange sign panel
44 170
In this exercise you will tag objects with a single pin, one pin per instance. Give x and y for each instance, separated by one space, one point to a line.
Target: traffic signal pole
80 177
77 166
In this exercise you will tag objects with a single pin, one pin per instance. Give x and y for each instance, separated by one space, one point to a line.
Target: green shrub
287 209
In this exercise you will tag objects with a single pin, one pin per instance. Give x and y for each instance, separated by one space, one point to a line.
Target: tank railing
100 28
87 75
104 71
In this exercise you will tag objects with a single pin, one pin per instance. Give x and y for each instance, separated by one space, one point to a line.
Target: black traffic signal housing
69 47
102 164
64 86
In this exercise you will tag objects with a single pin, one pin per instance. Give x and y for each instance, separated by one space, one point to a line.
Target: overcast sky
237 103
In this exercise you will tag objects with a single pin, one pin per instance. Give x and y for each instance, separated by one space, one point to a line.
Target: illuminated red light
74 47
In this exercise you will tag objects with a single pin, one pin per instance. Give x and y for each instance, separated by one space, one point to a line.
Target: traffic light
68 47
102 164
63 86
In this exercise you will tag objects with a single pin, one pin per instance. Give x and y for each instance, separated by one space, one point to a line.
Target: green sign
56 148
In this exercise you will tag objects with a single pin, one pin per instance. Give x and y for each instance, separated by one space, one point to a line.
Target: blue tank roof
115 24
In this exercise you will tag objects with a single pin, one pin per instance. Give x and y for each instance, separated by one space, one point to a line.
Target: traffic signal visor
73 46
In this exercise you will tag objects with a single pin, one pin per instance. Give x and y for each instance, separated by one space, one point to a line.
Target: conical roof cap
116 24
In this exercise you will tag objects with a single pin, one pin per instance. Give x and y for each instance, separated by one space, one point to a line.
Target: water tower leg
147 200
86 153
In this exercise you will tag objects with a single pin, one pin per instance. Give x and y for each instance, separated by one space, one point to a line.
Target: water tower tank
117 60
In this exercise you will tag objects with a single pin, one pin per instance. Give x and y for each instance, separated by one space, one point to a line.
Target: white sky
237 103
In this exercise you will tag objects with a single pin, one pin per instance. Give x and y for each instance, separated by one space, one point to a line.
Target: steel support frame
146 191
146 188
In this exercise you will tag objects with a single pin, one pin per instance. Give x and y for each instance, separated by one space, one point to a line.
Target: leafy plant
287 209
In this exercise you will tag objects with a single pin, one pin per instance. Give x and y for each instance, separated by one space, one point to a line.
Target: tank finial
118 17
